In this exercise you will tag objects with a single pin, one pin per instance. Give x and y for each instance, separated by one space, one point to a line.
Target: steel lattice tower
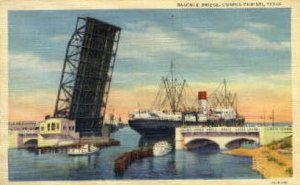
87 74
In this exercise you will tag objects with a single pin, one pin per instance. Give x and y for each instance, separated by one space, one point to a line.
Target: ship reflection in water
187 164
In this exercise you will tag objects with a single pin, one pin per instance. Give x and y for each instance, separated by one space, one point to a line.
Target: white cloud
239 39
60 37
139 25
131 75
273 79
258 25
240 82
153 39
152 42
31 63
284 77
242 39
198 55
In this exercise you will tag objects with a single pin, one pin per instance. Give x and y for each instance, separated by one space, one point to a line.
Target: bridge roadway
223 136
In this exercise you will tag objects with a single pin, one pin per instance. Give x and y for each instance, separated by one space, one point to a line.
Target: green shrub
272 159
283 143
289 171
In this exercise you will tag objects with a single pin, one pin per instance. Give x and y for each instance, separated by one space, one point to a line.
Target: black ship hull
154 128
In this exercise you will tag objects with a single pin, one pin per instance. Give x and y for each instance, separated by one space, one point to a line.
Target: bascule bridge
87 74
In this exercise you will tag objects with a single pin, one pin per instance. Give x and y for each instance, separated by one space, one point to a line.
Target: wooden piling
123 161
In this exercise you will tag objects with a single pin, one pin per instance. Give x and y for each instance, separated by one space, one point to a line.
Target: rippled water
26 165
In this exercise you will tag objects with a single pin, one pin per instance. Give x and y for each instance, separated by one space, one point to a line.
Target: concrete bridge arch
201 142
221 141
30 142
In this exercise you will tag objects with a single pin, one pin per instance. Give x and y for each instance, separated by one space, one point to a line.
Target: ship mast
225 94
172 92
172 89
223 98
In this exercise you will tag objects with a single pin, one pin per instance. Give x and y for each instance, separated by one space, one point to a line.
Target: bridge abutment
270 134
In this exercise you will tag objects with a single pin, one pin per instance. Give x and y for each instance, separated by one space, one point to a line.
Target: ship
87 149
161 148
114 124
217 109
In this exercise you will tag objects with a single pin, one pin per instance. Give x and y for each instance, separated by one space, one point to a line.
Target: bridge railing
27 132
278 129
219 129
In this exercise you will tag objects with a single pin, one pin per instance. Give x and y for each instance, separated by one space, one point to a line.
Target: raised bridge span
223 136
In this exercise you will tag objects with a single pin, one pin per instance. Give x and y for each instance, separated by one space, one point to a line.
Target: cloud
238 39
130 75
242 38
153 42
31 62
197 55
283 79
29 72
60 37
140 25
258 25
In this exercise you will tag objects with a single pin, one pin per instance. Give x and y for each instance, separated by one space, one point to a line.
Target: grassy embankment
272 161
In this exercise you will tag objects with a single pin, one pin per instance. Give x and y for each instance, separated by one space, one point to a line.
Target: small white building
57 132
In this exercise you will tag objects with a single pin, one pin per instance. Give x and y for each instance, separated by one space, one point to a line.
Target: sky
250 48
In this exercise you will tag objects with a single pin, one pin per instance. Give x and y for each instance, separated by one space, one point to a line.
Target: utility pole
264 118
273 117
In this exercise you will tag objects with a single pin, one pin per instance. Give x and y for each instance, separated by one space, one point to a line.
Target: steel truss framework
87 74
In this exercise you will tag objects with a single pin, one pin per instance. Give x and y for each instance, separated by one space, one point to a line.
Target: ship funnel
202 95
202 98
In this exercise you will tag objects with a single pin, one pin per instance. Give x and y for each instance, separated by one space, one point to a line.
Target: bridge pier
222 146
179 141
